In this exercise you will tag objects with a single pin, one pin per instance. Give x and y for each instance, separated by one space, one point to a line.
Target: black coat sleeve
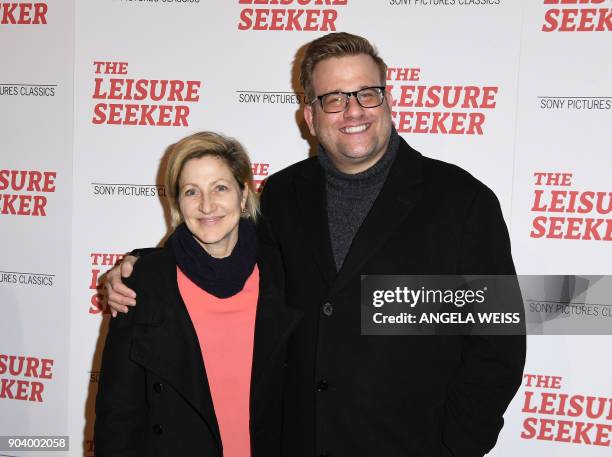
121 408
492 366
140 252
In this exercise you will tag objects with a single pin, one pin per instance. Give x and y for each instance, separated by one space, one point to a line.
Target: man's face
356 138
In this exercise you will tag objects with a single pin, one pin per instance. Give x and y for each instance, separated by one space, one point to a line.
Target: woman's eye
190 192
222 188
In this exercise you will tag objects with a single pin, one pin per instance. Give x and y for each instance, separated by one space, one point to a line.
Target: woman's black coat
154 398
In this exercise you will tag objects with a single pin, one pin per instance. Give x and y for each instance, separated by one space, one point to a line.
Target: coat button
158 387
322 385
157 429
328 309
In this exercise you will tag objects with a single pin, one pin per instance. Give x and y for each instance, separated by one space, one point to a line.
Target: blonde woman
197 368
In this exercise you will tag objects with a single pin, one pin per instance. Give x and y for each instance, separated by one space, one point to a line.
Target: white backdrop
72 124
36 144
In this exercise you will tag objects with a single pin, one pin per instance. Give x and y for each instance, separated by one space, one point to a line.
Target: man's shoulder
444 176
445 173
278 185
456 189
303 167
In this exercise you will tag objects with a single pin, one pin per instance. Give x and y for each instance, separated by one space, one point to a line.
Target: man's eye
333 100
368 93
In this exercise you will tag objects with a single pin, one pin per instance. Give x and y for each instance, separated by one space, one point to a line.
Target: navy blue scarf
222 278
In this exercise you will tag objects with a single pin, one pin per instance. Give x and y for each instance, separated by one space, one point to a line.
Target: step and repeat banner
93 92
36 154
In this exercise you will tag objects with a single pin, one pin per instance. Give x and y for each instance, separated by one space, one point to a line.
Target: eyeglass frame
348 95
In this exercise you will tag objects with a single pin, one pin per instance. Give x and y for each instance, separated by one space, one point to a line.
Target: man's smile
355 128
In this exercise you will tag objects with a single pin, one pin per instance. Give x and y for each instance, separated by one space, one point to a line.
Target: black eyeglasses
336 102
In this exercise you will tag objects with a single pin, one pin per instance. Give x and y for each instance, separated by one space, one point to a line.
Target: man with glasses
370 204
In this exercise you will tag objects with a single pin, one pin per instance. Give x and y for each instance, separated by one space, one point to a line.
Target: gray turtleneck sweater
350 197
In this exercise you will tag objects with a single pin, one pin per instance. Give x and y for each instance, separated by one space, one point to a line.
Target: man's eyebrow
364 86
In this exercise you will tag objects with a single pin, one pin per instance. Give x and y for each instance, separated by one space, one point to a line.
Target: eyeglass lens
370 97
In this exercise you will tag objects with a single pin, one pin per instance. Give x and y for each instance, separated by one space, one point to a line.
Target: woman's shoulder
154 280
156 264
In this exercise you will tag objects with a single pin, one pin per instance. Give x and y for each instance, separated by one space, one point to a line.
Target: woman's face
211 201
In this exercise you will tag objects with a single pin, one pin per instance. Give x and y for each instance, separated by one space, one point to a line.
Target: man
370 204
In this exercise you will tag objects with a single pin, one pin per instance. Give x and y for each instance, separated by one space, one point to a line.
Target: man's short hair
339 44
203 144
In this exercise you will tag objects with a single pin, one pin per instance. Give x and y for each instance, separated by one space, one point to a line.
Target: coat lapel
168 344
398 196
310 189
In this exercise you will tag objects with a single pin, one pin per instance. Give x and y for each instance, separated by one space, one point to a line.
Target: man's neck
359 167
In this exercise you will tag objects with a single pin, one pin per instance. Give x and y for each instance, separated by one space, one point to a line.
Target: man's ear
309 118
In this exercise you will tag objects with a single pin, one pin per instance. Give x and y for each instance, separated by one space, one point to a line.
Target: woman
188 372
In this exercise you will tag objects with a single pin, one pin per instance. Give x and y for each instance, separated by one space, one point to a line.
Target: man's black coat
398 396
154 399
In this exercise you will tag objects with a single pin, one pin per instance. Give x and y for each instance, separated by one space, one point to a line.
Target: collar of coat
400 193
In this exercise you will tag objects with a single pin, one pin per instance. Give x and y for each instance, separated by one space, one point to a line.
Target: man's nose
353 108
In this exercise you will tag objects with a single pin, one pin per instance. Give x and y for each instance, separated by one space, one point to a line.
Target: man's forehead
349 60
352 72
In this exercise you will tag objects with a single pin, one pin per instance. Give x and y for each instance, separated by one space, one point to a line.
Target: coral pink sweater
225 329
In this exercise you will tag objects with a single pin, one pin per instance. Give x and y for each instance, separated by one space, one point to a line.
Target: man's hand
119 295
